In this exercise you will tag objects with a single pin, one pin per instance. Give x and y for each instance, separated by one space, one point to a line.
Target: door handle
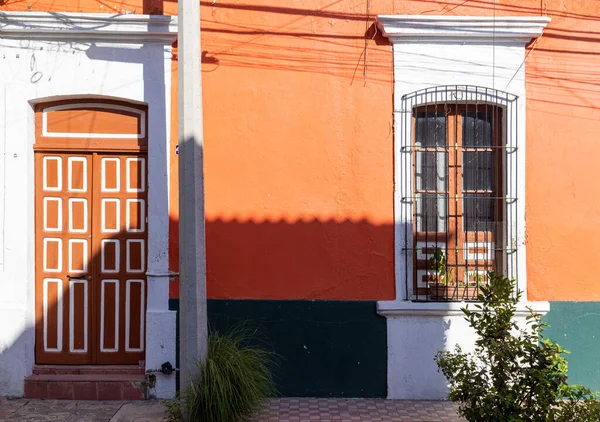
78 277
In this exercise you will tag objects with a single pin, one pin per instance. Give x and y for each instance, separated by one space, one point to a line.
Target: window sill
393 308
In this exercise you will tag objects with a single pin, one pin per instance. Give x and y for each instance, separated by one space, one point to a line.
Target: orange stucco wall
563 122
299 157
299 162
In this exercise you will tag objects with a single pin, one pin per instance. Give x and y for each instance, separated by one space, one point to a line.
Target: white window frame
433 51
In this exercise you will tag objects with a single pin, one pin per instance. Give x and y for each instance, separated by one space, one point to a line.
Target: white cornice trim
392 309
425 28
88 27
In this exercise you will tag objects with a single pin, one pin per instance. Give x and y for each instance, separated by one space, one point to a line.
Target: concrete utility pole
193 327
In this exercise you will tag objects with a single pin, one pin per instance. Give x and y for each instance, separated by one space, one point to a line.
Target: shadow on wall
330 339
16 351
310 259
78 310
309 289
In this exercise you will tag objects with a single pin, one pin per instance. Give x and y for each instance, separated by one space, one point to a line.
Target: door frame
160 329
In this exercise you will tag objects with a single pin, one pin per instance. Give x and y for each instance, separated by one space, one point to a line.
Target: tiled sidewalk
309 409
284 410
29 410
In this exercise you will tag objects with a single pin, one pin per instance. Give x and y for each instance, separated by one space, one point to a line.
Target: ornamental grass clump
514 374
233 383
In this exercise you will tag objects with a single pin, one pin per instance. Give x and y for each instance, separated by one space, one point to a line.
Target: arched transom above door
97 124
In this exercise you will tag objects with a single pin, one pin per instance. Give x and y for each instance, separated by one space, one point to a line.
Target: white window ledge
88 27
390 309
461 28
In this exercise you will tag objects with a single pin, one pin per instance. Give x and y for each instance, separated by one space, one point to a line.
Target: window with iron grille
459 155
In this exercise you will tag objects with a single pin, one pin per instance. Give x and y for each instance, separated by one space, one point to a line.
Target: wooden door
119 236
63 251
91 242
457 181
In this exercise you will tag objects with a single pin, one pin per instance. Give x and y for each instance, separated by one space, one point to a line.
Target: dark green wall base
576 327
327 348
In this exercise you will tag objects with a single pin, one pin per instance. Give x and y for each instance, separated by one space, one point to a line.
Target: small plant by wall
233 383
514 374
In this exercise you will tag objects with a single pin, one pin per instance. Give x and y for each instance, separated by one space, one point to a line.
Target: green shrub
514 374
232 384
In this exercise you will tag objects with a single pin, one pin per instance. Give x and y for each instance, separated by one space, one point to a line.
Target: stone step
85 383
88 369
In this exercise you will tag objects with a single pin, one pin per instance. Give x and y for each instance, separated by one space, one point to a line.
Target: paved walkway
305 409
285 410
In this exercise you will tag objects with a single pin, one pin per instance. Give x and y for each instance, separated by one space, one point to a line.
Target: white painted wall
414 337
412 343
434 51
46 55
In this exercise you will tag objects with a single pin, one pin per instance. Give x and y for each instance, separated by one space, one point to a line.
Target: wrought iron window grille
458 189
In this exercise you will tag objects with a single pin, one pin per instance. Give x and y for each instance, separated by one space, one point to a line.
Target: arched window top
97 123
457 94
